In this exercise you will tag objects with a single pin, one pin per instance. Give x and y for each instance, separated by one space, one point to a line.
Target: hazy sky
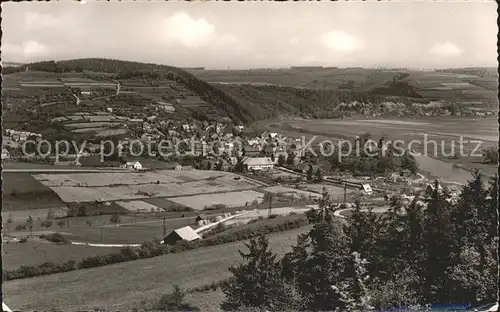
255 34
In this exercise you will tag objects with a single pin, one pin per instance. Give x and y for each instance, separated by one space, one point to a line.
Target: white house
258 163
367 189
132 165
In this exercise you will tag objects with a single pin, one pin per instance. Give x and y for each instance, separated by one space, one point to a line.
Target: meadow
117 286
193 182
287 191
230 199
34 253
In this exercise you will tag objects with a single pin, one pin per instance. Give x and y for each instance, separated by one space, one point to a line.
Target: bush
23 240
20 227
57 238
46 224
174 301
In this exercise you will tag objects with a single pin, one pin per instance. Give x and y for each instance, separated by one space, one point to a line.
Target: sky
222 35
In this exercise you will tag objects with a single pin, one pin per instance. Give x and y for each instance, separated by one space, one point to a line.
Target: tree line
431 253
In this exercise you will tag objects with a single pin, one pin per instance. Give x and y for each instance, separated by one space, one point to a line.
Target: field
138 205
334 191
356 79
19 191
117 286
231 199
19 216
445 131
37 252
291 192
163 183
263 212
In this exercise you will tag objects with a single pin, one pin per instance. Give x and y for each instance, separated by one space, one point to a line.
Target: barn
182 234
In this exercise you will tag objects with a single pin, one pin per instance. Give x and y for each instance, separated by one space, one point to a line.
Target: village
282 166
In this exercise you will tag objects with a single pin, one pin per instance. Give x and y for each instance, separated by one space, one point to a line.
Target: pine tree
319 281
310 173
363 231
319 274
318 177
490 214
257 282
281 160
440 245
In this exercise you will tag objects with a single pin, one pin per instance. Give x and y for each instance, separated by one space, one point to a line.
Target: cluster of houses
13 139
18 136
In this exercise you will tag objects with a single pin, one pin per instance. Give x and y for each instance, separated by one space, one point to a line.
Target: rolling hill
244 96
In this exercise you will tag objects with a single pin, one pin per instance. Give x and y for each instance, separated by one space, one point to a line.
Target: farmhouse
183 234
367 189
132 165
258 163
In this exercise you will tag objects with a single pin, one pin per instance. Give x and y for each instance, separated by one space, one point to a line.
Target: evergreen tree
290 159
320 281
310 172
440 245
318 177
257 282
281 160
490 214
363 231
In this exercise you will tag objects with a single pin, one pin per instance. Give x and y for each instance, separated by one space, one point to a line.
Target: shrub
23 240
57 238
46 224
20 227
174 301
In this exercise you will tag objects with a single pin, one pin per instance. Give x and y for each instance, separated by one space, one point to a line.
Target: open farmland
230 199
118 291
20 191
138 206
334 191
254 214
91 124
37 252
163 183
19 216
288 191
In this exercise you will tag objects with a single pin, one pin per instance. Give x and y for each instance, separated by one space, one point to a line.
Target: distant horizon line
229 68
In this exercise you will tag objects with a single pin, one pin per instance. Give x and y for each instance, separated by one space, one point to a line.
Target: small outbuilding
367 189
183 234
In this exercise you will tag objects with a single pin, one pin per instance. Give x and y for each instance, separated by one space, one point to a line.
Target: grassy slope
125 285
35 253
